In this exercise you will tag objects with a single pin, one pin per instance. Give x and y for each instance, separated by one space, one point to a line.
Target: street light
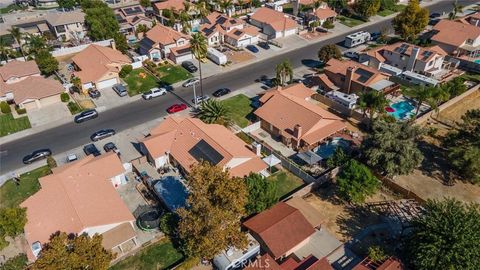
194 96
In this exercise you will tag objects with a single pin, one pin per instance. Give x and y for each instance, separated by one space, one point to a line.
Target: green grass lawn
286 182
239 107
137 84
12 195
161 255
9 125
350 22
387 12
171 74
74 107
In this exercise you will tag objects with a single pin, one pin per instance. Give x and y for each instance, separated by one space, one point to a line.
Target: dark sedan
221 92
189 66
94 93
102 134
91 149
37 155
252 48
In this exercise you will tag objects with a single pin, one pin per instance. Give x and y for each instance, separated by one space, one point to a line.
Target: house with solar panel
182 142
129 18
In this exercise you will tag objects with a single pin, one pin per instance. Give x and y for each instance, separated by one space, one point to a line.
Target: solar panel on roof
364 75
132 10
427 54
203 151
237 33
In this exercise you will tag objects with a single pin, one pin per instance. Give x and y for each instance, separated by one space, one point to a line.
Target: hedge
64 97
125 71
4 107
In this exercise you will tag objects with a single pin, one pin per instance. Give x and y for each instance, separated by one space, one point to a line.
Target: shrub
21 111
328 25
64 97
376 254
51 162
125 71
169 223
4 107
18 262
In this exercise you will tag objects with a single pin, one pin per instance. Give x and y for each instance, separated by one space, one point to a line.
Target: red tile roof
455 33
278 20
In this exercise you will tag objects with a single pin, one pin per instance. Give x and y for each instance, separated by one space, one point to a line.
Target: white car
200 99
154 92
191 82
352 55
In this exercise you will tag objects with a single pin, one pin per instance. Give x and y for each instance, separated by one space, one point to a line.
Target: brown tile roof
118 235
175 4
238 34
281 228
265 262
178 135
75 197
307 210
324 13
278 20
64 18
165 35
455 33
364 75
18 69
105 57
34 87
223 20
284 111
379 52
181 50
389 264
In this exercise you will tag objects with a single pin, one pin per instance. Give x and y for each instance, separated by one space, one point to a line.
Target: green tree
391 147
100 20
225 6
367 8
12 221
214 112
284 72
216 202
262 194
169 224
372 102
145 3
46 62
199 46
202 9
185 18
356 182
121 42
337 4
338 158
142 28
411 21
376 254
17 36
5 49
35 44
430 94
455 87
457 8
78 252
328 52
463 147
446 236
18 262
67 4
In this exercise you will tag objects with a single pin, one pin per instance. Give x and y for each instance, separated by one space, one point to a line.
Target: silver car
191 82
120 89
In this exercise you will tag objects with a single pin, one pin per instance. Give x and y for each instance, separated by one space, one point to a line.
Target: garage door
50 100
30 105
106 83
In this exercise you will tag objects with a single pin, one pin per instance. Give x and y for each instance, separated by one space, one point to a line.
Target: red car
176 108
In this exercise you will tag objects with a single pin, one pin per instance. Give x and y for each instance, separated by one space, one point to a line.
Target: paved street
69 136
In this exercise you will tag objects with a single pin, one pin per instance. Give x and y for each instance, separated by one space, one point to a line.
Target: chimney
297 131
112 44
413 58
348 79
258 148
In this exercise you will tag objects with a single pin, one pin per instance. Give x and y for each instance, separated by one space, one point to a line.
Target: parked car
94 93
110 146
375 35
264 45
200 99
102 134
71 157
120 89
435 15
252 48
91 149
177 108
352 55
189 66
221 92
154 92
37 155
191 82
85 116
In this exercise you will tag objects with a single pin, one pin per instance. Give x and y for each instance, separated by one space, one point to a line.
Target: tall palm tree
34 43
198 43
202 9
372 102
241 4
185 19
4 49
457 8
422 94
17 35
225 6
214 112
283 71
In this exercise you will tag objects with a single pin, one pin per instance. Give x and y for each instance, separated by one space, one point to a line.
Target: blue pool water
477 61
403 110
172 192
327 149
195 28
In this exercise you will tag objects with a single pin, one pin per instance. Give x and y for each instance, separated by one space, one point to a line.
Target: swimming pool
403 110
327 149
477 61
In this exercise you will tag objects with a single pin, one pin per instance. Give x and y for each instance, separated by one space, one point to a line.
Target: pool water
477 61
403 110
326 150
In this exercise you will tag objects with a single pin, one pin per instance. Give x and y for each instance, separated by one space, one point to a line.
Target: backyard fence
252 127
76 49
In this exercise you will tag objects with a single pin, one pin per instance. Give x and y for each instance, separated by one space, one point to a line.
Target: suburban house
287 114
103 72
232 258
129 18
162 42
220 29
266 262
352 77
457 38
474 19
163 10
79 198
184 141
428 61
291 231
274 24
22 84
322 14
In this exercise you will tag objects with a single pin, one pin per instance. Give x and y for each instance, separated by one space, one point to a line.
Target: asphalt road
69 136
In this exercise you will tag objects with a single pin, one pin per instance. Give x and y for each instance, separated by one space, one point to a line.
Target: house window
60 29
469 41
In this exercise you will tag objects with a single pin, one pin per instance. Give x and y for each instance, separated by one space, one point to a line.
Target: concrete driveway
110 99
49 114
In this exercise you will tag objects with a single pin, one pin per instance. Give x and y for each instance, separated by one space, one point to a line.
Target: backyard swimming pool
327 149
402 110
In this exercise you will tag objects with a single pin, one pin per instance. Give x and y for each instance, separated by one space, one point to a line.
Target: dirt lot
238 57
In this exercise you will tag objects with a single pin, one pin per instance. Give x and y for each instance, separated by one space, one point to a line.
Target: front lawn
387 12
74 107
9 125
161 255
240 109
12 195
350 22
286 182
139 81
171 74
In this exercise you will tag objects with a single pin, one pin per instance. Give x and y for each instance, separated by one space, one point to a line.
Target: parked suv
120 89
189 66
154 92
102 134
91 149
94 93
85 116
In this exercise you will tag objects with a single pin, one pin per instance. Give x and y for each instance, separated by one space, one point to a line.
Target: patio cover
271 160
309 157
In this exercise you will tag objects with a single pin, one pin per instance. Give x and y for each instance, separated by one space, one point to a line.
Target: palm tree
225 6
241 4
202 9
34 44
198 43
283 71
372 102
214 112
4 49
456 9
423 94
17 35
185 18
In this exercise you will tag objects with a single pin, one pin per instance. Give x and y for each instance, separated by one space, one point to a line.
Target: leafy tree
18 262
185 18
121 42
203 10
100 20
284 71
388 4
328 52
169 223
199 46
46 62
446 236
145 3
35 44
5 49
463 147
17 36
376 254
328 24
457 8
67 4
337 4
372 102
216 202
455 87
142 28
125 71
214 112
411 21
356 182
73 252
391 147
261 193
12 221
51 162
367 8
430 94
338 158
